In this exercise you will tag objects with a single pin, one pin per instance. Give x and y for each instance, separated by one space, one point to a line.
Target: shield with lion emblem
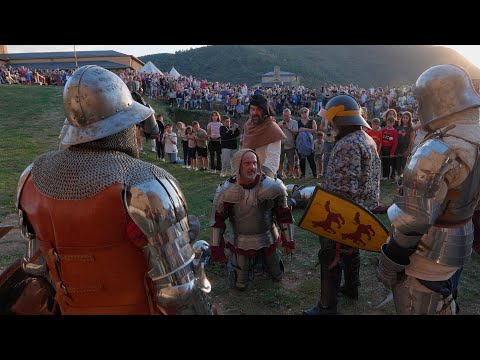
340 219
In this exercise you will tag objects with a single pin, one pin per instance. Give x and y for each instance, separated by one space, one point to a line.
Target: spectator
318 153
159 141
307 125
389 146
406 135
376 134
262 134
229 135
192 148
181 134
290 129
170 143
201 139
214 145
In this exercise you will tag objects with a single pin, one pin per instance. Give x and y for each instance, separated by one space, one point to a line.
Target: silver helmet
443 90
98 104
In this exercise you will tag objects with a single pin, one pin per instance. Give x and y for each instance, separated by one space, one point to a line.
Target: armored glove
218 253
288 246
387 269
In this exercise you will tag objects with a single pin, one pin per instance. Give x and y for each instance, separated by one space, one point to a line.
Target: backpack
304 143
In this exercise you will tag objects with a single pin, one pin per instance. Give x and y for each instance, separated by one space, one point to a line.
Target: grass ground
30 120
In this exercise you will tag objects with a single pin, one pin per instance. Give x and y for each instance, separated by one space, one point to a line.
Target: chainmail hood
84 170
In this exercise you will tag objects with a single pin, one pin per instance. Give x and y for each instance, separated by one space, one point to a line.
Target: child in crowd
201 139
182 135
389 146
192 148
376 134
318 151
170 143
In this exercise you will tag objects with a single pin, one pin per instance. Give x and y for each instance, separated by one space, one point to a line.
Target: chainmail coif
82 171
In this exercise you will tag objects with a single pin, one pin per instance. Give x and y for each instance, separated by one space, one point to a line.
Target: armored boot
238 271
351 274
330 283
274 265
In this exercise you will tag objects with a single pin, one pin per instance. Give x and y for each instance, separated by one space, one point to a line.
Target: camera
329 133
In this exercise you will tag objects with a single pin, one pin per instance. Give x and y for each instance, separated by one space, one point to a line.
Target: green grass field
30 120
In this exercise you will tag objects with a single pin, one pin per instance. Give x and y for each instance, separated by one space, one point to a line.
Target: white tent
174 73
150 68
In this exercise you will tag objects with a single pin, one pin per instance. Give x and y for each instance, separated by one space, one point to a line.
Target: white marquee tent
174 73
150 68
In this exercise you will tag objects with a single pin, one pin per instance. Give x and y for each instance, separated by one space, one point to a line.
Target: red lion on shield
356 236
331 218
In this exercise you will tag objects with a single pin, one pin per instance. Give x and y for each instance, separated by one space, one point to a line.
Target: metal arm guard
216 235
159 209
302 195
421 203
427 200
225 193
388 269
38 266
285 224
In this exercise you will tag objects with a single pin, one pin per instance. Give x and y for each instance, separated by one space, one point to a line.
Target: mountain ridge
363 65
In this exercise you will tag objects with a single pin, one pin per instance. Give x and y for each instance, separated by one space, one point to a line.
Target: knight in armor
353 171
255 205
106 232
432 233
262 134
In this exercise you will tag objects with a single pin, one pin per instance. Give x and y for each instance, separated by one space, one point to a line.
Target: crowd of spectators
191 93
27 76
187 92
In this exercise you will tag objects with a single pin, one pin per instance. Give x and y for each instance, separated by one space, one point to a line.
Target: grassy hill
30 120
364 65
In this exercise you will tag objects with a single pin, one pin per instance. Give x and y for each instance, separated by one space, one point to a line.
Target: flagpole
75 54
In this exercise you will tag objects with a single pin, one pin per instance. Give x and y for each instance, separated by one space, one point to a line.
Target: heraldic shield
337 218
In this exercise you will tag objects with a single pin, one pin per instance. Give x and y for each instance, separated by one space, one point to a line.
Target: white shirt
269 155
170 147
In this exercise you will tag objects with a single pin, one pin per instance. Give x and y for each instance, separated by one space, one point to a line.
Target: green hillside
364 65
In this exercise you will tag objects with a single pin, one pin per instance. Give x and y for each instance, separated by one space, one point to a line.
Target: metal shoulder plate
426 167
21 182
418 208
227 192
270 189
158 208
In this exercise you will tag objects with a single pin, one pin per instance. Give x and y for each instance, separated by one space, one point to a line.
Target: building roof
67 65
63 54
271 73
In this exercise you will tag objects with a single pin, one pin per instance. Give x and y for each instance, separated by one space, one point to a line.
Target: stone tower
276 73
